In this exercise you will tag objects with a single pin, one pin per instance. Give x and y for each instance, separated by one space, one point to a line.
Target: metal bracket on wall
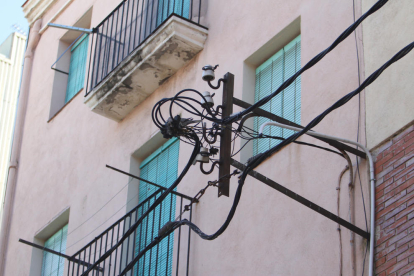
302 200
225 140
70 28
64 52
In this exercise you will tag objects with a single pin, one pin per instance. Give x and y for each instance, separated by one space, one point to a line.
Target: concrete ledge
170 48
34 10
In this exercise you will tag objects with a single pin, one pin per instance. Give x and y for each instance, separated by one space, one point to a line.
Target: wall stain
163 80
145 66
190 55
168 49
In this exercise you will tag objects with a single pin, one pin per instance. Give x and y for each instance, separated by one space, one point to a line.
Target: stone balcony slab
170 48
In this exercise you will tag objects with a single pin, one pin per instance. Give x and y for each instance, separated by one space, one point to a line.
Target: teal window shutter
77 67
287 104
161 167
168 7
53 265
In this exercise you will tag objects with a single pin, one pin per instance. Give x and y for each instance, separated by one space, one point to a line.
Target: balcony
137 48
118 246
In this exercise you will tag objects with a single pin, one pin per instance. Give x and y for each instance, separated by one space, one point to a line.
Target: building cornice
35 9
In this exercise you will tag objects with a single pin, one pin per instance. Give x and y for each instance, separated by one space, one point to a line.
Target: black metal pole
189 243
120 32
134 237
199 11
84 256
127 247
130 28
110 256
179 237
158 245
152 237
116 251
104 50
302 200
169 236
99 36
125 33
140 26
94 254
225 140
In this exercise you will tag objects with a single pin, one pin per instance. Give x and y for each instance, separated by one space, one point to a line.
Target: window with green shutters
53 265
167 7
77 67
161 167
287 104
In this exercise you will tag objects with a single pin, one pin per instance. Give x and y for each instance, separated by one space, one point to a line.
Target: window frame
70 40
80 84
60 260
278 105
166 244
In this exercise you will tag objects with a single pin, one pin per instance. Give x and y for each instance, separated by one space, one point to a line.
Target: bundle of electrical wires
308 65
195 132
170 227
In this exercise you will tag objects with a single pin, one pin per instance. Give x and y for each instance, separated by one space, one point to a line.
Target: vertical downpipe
17 141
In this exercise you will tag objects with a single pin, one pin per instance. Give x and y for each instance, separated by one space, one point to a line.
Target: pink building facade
95 109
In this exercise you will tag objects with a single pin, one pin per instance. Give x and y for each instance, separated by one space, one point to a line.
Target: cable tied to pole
200 193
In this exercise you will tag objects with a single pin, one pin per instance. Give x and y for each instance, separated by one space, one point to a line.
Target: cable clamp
165 228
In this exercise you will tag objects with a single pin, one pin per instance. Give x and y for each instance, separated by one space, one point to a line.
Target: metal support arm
100 269
273 117
149 182
302 200
70 28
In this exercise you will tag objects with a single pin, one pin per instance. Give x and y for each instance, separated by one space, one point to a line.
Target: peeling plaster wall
63 161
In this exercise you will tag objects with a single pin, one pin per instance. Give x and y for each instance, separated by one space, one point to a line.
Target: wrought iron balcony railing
127 27
160 260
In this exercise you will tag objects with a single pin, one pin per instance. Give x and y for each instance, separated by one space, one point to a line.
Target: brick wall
394 169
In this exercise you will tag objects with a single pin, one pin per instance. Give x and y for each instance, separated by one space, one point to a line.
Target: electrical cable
338 104
359 119
260 158
305 144
177 127
152 207
351 209
310 64
121 208
99 208
358 128
338 214
281 138
363 263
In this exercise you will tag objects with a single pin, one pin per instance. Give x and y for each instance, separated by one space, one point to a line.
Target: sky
11 13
